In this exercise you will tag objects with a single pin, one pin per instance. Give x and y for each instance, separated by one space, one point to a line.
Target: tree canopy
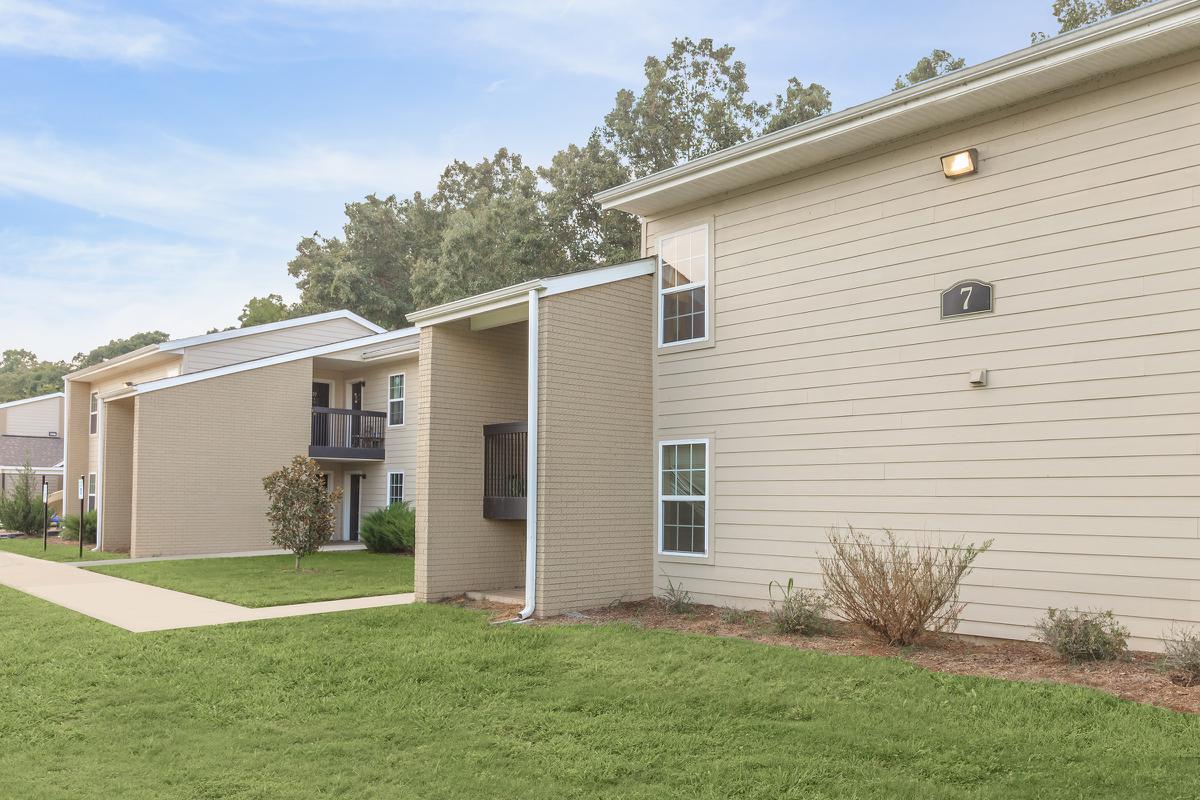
23 374
937 63
500 221
1073 14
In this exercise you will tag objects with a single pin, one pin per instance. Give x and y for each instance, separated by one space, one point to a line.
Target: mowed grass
434 702
272 580
56 549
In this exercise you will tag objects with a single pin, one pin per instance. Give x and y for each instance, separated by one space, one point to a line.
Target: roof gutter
1129 26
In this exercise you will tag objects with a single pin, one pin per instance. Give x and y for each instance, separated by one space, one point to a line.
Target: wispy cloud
94 291
185 187
87 33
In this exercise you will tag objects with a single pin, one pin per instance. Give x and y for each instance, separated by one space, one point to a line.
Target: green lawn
55 551
272 581
434 702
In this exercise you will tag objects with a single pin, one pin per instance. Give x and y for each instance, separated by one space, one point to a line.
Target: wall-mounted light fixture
964 162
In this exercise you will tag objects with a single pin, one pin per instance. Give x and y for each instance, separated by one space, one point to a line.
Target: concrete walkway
139 607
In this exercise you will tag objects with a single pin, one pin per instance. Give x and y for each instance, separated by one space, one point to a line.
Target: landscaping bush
732 615
301 510
900 591
800 611
21 504
390 530
676 599
1183 656
1083 635
70 528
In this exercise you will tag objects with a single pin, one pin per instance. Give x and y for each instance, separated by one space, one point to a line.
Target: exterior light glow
965 162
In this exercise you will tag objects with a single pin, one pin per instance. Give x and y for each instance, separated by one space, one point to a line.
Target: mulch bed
1140 678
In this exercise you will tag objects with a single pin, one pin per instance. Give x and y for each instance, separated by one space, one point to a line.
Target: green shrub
300 510
800 611
1183 656
21 504
1083 635
70 528
390 530
676 599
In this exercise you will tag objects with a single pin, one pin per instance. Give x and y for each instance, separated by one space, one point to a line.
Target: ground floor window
683 497
91 492
395 488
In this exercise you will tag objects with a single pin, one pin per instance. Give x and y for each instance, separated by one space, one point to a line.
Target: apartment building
172 441
967 310
31 433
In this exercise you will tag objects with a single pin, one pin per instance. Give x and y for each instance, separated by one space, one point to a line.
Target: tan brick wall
468 380
116 484
77 445
201 452
596 447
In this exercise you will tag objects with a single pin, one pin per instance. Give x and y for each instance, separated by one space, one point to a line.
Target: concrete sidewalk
140 607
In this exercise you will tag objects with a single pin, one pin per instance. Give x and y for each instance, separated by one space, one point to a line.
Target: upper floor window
683 286
396 399
93 412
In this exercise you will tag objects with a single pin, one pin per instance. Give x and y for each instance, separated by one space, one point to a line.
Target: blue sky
159 161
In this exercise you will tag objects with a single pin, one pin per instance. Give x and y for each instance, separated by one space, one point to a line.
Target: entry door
355 504
320 422
356 403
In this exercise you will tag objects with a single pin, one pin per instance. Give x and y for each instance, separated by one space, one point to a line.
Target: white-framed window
683 287
396 399
395 488
683 479
93 412
91 490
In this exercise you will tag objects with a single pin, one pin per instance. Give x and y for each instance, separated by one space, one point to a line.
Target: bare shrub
901 591
1182 649
732 615
800 611
1083 635
676 599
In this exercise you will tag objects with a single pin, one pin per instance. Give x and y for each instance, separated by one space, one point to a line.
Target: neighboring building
31 433
173 440
815 343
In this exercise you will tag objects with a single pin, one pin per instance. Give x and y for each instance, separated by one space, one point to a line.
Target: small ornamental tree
301 510
21 504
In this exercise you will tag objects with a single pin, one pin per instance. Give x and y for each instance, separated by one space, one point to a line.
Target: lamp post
45 513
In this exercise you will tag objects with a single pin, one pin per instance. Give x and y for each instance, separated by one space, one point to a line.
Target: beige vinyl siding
260 345
35 419
836 396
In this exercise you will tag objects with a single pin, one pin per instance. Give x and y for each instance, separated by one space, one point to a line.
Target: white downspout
531 468
100 424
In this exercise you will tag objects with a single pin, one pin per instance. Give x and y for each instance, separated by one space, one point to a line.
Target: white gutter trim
1130 26
515 295
270 361
531 461
57 469
220 336
113 363
12 403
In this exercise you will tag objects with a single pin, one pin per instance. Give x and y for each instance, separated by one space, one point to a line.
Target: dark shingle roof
42 451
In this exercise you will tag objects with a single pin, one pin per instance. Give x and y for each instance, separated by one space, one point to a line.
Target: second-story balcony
347 434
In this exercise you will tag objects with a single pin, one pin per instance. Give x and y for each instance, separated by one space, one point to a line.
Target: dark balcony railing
346 433
505 449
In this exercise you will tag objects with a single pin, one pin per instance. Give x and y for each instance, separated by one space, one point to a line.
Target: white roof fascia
14 403
270 361
1120 41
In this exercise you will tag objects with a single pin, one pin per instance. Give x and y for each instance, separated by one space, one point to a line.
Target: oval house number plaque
967 297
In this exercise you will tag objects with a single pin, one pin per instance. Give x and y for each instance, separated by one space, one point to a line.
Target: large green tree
798 103
1072 14
265 310
117 347
495 231
937 63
